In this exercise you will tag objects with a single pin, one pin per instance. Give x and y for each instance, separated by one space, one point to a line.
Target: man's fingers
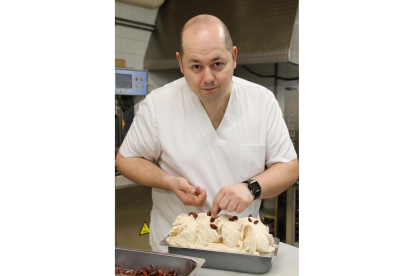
191 190
240 208
193 200
215 209
186 187
232 206
224 203
199 190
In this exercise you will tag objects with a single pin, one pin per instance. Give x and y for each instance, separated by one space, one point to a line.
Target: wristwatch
254 187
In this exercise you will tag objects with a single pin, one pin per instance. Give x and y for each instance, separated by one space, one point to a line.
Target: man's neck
216 109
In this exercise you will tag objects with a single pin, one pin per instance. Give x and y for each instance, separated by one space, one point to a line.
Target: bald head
200 22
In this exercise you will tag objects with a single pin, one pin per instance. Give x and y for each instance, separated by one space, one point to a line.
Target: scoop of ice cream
223 234
205 234
184 231
230 230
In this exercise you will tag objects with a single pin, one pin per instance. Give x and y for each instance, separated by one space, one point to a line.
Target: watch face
255 186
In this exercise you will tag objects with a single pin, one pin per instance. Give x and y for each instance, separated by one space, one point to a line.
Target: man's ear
234 57
177 54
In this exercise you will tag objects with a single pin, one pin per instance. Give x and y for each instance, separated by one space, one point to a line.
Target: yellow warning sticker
144 229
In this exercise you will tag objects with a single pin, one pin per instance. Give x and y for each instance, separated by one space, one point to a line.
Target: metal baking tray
239 262
130 259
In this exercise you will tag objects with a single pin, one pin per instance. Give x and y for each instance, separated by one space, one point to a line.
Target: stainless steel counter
122 182
286 263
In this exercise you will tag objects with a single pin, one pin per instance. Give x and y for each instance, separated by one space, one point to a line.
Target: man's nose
208 75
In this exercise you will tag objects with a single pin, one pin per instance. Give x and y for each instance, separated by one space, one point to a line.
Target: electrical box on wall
131 82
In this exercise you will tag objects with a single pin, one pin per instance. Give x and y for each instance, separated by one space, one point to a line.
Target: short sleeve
141 139
279 146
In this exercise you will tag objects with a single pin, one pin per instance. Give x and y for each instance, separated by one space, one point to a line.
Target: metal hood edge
265 31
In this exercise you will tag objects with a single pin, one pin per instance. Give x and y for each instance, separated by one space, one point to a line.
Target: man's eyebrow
196 60
193 60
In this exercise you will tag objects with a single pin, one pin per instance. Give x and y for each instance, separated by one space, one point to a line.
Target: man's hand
187 193
236 197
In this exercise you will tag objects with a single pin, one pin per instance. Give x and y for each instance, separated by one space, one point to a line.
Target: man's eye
218 64
196 67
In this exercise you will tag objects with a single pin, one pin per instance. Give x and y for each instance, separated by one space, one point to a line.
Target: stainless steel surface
264 31
286 264
132 259
247 263
132 209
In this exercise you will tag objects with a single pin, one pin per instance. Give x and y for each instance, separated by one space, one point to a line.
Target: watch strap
254 191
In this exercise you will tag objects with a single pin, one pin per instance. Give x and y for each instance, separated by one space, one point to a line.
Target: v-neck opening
224 129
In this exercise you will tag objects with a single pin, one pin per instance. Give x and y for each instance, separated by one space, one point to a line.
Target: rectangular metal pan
247 263
130 259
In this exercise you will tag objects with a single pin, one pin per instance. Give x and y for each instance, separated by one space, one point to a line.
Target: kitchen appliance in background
133 202
128 83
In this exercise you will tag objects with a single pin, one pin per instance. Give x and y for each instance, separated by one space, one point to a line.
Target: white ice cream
239 236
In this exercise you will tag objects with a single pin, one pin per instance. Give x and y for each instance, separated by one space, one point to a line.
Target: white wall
131 44
285 70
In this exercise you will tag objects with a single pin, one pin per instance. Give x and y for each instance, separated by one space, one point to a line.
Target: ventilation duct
265 31
149 4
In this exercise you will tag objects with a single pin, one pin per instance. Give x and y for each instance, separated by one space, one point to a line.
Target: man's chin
209 98
209 95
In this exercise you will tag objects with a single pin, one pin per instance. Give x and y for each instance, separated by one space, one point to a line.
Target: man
208 132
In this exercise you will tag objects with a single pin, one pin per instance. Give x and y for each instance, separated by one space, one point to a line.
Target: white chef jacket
172 127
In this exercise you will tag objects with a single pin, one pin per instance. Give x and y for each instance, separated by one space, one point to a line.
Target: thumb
186 187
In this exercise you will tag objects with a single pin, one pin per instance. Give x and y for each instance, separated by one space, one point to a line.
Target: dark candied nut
209 213
213 226
160 272
152 273
231 219
171 271
250 215
249 219
174 274
212 219
122 271
129 273
144 273
235 217
193 214
256 222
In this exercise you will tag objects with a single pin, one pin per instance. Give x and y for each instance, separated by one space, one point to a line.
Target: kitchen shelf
272 214
291 220
267 213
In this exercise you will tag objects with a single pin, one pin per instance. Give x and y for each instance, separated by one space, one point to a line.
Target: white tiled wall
131 44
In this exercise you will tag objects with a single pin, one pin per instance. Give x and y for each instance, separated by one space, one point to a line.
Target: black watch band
254 187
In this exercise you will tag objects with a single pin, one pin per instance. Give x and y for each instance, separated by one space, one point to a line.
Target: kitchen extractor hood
265 31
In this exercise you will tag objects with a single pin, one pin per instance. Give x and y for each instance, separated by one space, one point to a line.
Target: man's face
207 65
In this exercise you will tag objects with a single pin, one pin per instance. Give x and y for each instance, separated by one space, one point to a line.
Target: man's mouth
209 89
